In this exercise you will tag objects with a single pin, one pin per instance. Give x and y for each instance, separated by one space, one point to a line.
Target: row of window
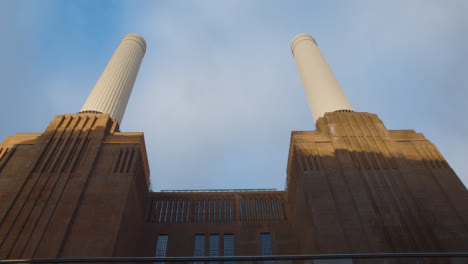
262 210
212 211
213 245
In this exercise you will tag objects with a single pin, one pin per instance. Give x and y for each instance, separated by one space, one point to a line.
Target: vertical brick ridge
50 198
11 207
124 161
131 161
394 220
75 145
24 203
117 163
453 196
43 193
414 223
300 161
69 195
3 152
408 231
365 180
5 157
354 184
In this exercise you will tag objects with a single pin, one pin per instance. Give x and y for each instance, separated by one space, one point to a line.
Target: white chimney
112 91
323 91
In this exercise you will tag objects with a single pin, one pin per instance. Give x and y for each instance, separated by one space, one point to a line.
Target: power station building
80 188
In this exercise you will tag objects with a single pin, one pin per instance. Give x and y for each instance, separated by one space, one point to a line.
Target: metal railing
375 256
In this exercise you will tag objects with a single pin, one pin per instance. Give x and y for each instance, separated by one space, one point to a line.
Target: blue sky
218 92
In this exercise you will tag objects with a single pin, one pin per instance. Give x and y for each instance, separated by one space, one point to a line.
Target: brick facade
80 189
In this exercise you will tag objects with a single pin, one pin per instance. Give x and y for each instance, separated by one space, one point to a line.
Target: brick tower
79 188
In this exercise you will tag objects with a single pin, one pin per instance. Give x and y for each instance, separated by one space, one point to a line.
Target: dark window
198 212
177 211
161 247
161 211
199 249
172 210
182 211
228 246
156 209
278 207
167 207
188 210
246 215
240 209
263 214
267 210
265 240
204 202
273 210
219 210
214 247
209 210
284 209
256 208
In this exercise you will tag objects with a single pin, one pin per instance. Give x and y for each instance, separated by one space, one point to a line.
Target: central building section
240 215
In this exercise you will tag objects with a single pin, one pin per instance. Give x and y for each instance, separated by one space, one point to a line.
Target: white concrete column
112 91
323 91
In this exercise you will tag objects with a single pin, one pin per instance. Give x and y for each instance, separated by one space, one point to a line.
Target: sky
218 92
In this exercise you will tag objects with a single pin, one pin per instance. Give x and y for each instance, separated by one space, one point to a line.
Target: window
165 215
246 215
278 207
182 211
251 211
265 240
214 247
198 212
228 246
199 249
156 209
225 220
209 211
161 247
263 215
256 208
219 210
188 210
240 209
172 210
177 211
267 210
204 203
273 210
284 210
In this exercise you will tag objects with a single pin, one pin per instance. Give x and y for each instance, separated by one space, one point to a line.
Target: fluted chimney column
323 91
111 93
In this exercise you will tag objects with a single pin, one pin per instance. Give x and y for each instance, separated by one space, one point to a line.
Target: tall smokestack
112 91
323 91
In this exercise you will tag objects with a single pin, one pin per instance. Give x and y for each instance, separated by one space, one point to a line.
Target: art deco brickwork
78 189
242 214
352 187
355 186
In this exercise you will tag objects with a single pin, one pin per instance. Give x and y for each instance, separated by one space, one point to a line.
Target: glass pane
214 247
